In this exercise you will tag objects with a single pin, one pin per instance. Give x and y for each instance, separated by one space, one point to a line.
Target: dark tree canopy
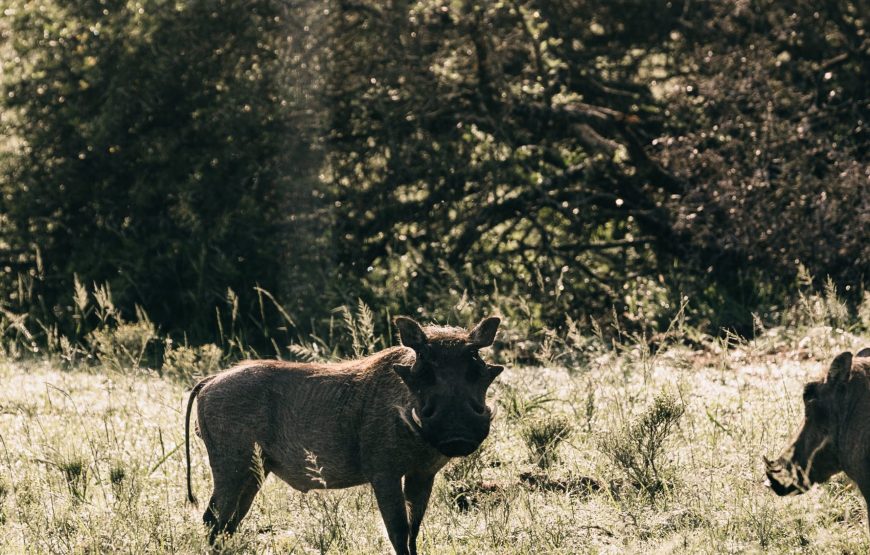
156 151
582 158
585 153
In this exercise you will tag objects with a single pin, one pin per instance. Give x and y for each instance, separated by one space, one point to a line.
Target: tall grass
620 455
607 439
101 334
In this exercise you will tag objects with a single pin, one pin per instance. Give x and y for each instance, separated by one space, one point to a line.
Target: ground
92 462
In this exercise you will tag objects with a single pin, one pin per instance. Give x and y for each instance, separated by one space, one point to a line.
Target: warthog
834 436
392 420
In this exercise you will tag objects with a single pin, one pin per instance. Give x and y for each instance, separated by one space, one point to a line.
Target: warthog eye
425 374
817 412
476 368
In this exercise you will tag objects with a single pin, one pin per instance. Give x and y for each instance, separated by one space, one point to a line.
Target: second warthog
834 436
392 420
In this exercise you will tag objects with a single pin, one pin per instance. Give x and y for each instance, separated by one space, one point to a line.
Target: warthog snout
455 427
458 447
784 478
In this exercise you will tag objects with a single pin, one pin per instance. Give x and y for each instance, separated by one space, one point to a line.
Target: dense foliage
153 149
567 159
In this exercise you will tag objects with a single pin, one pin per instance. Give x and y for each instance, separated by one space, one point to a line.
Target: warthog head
449 381
813 457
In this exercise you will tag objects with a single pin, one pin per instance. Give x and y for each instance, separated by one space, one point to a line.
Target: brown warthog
392 419
834 436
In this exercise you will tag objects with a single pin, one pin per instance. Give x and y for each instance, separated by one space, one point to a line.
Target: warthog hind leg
230 502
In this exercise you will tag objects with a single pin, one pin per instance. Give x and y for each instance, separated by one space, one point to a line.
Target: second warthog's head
449 380
813 456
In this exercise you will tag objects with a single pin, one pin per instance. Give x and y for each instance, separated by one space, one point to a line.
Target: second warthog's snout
784 478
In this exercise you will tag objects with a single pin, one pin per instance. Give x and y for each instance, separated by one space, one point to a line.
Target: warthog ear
840 367
493 370
865 352
410 332
483 333
404 372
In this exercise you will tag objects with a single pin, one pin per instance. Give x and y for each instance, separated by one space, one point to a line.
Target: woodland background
241 168
668 203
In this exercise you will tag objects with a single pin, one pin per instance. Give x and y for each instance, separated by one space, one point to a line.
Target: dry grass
90 463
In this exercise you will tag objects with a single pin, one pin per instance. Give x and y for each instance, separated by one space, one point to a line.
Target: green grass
90 463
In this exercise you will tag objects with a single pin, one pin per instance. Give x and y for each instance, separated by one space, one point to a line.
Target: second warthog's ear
840 367
410 332
865 352
483 333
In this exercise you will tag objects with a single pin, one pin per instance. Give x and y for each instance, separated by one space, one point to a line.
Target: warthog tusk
416 418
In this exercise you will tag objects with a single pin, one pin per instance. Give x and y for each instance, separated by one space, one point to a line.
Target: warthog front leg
391 502
418 488
863 483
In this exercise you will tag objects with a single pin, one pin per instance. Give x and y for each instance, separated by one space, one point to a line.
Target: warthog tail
193 393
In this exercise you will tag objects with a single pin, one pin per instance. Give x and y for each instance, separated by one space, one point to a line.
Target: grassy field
624 452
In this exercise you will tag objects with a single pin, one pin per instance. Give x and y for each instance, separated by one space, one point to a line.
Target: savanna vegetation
598 446
572 161
668 203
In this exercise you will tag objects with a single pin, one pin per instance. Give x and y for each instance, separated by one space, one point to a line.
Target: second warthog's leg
863 482
391 502
418 488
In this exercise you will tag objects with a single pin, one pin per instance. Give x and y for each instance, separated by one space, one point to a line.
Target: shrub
639 449
75 473
543 437
123 345
187 363
518 406
155 147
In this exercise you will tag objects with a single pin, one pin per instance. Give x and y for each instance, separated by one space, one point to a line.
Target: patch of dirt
467 496
571 484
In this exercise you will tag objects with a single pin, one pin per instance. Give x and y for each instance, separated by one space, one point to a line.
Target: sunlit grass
90 462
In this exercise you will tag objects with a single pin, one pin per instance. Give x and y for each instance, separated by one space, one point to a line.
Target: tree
554 146
158 150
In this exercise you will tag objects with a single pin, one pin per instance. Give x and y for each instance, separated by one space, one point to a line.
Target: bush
189 363
154 150
122 346
543 437
569 162
639 449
